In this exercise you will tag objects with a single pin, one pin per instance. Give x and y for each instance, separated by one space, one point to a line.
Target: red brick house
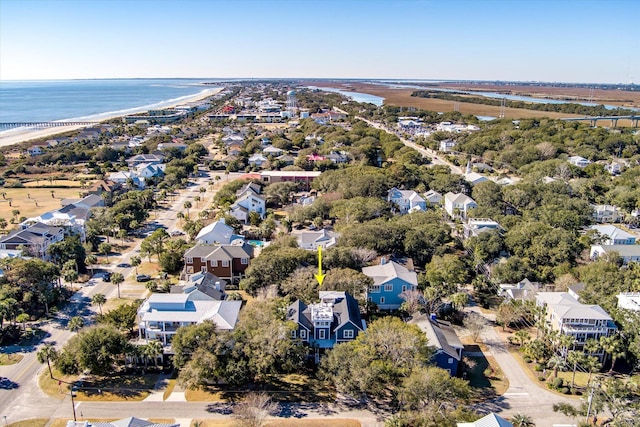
225 261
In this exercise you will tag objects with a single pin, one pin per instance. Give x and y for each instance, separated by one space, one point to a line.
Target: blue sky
558 40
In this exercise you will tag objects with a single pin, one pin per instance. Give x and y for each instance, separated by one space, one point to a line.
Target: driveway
524 394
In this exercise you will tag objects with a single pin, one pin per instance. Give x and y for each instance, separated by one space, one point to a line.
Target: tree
75 324
135 262
447 272
378 359
47 353
123 317
254 410
3 224
459 300
117 279
69 272
508 313
90 260
556 362
152 350
475 323
613 346
187 205
522 420
105 249
23 318
575 358
432 387
99 300
96 349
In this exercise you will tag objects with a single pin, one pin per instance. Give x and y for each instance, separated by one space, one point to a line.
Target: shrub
527 359
538 367
558 383
541 378
564 390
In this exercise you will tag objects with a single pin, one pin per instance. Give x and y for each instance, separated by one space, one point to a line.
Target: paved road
524 395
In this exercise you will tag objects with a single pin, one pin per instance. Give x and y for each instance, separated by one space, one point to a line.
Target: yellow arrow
320 276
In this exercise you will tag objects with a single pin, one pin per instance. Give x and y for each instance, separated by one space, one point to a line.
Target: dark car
143 278
106 276
124 265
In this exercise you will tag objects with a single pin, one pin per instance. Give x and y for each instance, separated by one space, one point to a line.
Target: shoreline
20 135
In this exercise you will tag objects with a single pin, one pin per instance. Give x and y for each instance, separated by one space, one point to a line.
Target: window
189 269
293 334
321 334
225 263
244 261
203 269
375 289
381 300
404 288
388 287
213 263
303 334
449 362
189 260
348 333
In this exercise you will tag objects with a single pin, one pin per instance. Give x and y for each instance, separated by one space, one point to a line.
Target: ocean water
54 100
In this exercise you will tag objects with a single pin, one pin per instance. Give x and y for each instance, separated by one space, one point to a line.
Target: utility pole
590 400
73 404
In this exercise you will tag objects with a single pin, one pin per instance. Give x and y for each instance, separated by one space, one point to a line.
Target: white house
578 161
568 316
628 253
272 151
458 204
217 232
613 235
161 315
311 240
248 202
433 198
258 160
490 420
447 145
474 178
607 213
406 200
629 301
475 226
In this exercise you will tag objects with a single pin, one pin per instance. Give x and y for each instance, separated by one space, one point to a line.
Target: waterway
356 96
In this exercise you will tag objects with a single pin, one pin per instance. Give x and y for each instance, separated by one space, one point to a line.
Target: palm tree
591 346
613 346
47 354
135 261
523 337
591 364
152 350
99 300
90 260
180 216
522 420
116 279
575 358
187 205
75 324
23 318
556 362
566 341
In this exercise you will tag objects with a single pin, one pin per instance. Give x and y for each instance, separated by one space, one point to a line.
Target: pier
42 125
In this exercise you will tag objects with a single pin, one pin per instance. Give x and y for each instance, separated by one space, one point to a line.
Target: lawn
281 422
33 422
10 359
486 376
116 388
32 202
288 388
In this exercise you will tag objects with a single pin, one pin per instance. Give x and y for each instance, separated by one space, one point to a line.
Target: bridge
614 120
42 125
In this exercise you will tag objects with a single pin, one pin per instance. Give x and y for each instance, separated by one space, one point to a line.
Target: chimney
383 260
217 286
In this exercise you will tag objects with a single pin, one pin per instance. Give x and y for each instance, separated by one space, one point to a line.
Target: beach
18 135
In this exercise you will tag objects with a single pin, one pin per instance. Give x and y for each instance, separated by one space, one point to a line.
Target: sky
519 40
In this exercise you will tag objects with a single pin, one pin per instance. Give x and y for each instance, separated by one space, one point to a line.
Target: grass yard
486 376
282 422
32 202
10 359
56 183
288 388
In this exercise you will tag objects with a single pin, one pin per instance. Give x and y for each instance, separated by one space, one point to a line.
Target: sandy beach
18 135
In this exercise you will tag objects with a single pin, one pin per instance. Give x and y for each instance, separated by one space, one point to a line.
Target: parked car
106 277
124 265
143 278
177 233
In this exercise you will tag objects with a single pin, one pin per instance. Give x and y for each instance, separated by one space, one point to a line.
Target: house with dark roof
204 283
335 319
445 341
125 422
225 261
36 238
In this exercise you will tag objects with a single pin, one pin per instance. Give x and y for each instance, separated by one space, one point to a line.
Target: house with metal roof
612 235
406 200
627 253
160 316
312 240
568 316
335 319
490 420
390 280
124 422
217 232
441 336
458 204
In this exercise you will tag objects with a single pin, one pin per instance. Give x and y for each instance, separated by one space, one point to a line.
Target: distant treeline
568 108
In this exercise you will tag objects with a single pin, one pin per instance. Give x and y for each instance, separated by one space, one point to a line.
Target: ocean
89 100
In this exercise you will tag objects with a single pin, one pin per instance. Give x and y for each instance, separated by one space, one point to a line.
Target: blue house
441 336
390 279
406 200
335 319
